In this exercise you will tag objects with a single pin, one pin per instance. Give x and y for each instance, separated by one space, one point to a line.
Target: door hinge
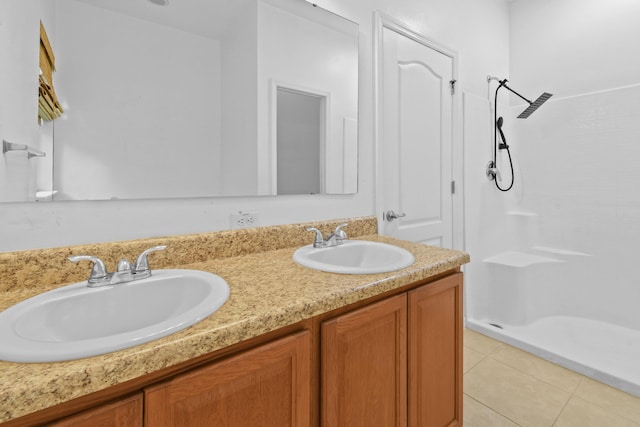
453 187
452 84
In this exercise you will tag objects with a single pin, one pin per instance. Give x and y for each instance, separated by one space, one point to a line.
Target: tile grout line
555 421
475 364
541 379
490 355
590 401
493 410
482 403
533 376
529 376
572 393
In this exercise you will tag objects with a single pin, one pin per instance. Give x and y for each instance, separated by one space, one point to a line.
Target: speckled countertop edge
268 291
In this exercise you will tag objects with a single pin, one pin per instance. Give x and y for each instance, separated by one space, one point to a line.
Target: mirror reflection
197 98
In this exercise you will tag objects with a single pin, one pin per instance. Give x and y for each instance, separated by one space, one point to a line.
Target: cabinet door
266 386
435 353
364 366
126 412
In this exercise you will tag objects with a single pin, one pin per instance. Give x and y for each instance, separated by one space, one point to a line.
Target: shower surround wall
575 199
581 166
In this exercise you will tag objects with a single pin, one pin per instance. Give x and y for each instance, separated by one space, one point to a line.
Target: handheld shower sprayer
493 173
503 145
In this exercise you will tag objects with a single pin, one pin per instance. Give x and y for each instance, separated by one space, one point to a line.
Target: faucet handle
339 232
141 266
318 241
99 273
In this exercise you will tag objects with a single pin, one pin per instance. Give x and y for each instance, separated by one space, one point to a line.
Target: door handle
391 215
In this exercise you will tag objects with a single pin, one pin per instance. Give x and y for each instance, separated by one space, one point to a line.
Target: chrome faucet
125 272
333 239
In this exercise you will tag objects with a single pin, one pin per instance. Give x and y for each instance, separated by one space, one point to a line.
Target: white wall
240 113
570 47
476 29
299 53
149 94
19 52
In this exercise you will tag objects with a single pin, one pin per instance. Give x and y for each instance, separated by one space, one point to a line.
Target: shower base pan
603 351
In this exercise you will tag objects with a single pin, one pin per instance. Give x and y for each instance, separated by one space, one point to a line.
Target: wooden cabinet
435 353
366 379
364 366
266 386
126 412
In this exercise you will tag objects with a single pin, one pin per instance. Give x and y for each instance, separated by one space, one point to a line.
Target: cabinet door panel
126 412
435 349
364 366
266 386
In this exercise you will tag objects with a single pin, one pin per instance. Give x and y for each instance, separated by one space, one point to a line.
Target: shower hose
495 145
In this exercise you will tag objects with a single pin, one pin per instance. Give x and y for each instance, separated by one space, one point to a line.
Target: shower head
533 106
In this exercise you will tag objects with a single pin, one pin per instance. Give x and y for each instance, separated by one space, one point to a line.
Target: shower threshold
603 351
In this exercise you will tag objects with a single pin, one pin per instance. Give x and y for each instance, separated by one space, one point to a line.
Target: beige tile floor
504 386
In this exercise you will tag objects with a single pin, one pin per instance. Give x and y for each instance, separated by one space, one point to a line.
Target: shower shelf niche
519 259
522 213
558 252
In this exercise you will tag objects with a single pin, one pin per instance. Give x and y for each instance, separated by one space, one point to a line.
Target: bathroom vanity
291 346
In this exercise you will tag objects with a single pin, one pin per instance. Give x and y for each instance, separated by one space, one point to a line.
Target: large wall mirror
195 98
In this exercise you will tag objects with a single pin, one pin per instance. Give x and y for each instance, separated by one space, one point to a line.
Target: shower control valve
493 172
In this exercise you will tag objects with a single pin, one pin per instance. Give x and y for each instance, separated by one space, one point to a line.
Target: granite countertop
268 291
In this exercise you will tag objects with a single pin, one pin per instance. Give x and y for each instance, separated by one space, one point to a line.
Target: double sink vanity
256 326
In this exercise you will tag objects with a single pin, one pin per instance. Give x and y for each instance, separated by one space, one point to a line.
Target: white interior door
415 90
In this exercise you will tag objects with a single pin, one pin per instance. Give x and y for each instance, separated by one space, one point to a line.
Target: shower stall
554 260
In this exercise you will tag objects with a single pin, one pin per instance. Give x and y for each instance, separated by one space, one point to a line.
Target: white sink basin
76 321
355 257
